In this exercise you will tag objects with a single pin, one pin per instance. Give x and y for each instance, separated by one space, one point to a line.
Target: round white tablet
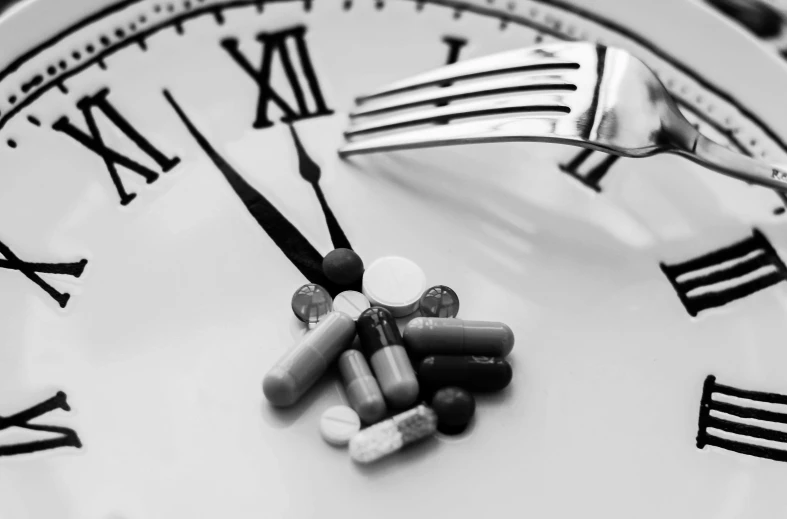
338 424
394 283
351 303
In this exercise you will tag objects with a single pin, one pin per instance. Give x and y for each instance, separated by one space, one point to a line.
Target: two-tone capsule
382 344
303 365
387 437
445 336
362 389
475 374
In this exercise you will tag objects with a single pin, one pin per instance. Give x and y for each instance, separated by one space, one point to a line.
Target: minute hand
310 172
285 235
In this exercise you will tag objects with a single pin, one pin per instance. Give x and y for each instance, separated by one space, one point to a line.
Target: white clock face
154 225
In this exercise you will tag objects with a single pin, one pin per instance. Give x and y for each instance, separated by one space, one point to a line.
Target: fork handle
718 158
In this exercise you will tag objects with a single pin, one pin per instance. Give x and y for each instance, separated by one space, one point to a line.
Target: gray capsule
361 387
438 336
303 365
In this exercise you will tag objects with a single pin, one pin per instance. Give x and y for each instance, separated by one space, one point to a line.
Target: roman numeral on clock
589 167
728 423
66 437
279 43
93 141
727 274
31 271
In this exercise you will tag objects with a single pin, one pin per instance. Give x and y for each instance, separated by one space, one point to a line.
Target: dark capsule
343 266
439 301
381 342
475 374
311 302
454 408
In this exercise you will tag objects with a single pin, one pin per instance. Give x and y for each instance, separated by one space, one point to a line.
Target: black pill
475 374
454 408
343 266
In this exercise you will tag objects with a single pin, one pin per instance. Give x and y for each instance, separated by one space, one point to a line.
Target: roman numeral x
31 271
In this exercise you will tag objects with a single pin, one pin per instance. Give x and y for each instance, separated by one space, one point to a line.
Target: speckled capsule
389 436
475 374
436 336
361 387
381 342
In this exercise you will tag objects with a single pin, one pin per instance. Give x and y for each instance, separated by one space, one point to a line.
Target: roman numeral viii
726 275
66 437
281 44
93 141
736 420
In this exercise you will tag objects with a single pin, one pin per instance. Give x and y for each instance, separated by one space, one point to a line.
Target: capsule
381 342
361 387
475 374
303 365
437 336
387 437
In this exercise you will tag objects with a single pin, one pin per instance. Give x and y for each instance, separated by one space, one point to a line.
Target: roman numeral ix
276 43
112 158
726 275
31 271
66 437
728 415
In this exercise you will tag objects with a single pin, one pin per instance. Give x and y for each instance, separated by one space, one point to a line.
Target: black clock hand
310 172
285 235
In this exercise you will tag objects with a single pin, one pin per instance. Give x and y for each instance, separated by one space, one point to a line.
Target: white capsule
389 436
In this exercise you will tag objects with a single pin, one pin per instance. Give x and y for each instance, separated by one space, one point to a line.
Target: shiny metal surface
571 93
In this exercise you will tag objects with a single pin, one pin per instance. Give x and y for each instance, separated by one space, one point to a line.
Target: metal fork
571 93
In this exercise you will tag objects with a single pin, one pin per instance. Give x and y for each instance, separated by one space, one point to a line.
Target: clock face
154 224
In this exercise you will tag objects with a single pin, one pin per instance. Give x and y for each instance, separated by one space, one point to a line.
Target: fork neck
731 163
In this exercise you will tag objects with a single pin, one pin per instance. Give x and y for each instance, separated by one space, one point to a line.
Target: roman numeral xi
93 141
727 274
725 421
66 437
280 43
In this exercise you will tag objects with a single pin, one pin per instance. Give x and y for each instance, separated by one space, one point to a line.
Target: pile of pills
398 403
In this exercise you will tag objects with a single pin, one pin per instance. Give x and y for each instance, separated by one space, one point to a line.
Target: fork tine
528 103
505 85
520 60
512 129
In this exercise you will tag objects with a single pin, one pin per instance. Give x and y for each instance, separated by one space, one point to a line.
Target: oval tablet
476 374
395 284
436 336
351 303
339 424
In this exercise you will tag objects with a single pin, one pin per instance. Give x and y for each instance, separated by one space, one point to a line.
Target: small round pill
454 408
339 424
394 283
343 266
311 302
351 303
439 301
